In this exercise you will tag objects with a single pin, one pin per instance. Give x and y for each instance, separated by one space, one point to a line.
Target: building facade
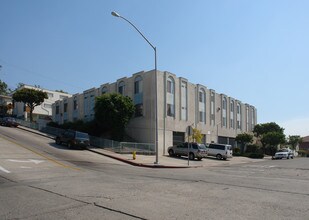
6 106
179 104
43 111
304 145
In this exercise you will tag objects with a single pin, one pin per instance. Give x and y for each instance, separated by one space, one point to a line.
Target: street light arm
119 16
156 98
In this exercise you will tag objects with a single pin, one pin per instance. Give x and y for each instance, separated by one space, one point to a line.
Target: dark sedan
8 121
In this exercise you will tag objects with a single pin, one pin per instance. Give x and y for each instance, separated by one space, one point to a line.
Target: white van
220 151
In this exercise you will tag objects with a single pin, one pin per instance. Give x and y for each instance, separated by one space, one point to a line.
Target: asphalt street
40 180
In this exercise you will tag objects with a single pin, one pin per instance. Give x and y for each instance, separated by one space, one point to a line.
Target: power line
31 72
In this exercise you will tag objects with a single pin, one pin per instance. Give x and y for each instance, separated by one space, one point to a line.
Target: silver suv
195 150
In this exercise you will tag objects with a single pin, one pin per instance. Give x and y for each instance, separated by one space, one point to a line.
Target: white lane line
27 161
4 170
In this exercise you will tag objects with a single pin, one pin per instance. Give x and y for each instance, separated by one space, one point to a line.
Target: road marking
23 167
27 161
42 155
4 170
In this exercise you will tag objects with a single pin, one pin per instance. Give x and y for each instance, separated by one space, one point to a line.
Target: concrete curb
38 133
139 164
111 156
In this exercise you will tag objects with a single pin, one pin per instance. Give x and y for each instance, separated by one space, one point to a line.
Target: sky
254 51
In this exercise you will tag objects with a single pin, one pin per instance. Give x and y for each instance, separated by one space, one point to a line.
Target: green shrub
254 155
236 150
253 148
303 153
53 124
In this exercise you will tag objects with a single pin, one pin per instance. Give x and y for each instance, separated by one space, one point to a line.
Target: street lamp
156 99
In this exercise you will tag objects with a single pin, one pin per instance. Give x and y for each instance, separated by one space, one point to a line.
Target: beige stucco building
42 111
179 104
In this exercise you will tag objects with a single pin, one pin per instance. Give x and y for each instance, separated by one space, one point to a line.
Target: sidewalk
163 161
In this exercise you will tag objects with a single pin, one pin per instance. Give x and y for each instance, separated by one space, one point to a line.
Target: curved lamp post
156 99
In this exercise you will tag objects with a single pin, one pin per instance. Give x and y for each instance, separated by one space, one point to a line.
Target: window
170 110
252 118
138 110
138 96
202 96
62 97
65 107
238 117
170 97
212 108
75 105
202 105
170 85
138 85
47 105
121 87
57 109
104 90
50 95
184 101
224 118
247 118
232 114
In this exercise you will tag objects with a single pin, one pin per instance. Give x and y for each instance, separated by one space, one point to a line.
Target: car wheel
191 156
171 153
58 141
219 156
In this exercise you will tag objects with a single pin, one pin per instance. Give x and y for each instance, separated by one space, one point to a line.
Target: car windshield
82 135
202 147
283 150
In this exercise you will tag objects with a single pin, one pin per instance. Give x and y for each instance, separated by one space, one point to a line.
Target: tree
4 90
30 97
197 135
270 135
113 112
294 140
261 129
244 139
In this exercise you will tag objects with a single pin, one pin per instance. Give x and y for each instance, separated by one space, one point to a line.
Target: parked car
9 121
73 139
220 151
284 153
195 150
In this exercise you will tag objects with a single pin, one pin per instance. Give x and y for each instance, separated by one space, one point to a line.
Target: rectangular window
137 87
202 116
138 110
170 110
75 104
184 101
170 88
47 105
50 95
57 110
121 90
65 107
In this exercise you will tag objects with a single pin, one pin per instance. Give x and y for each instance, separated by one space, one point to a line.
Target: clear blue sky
255 51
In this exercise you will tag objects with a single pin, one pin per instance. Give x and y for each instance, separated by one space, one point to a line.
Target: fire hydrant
134 155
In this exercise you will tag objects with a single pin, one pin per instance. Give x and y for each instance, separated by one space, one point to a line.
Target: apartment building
43 111
179 104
